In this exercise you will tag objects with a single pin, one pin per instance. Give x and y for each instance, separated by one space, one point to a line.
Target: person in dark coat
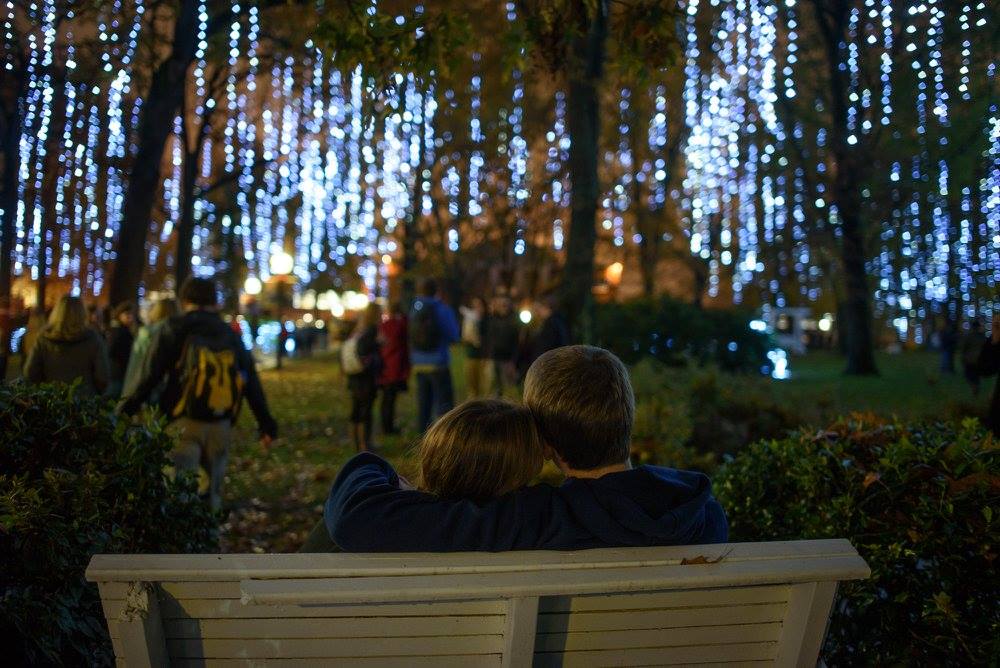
503 332
989 365
67 350
552 333
394 348
362 363
120 340
970 349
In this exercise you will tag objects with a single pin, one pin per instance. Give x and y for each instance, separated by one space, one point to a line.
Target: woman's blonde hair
480 450
162 309
68 319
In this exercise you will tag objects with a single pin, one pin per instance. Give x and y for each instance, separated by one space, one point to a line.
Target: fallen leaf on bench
701 559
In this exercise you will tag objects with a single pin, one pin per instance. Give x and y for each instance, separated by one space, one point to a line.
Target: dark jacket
648 505
503 334
165 353
395 351
369 354
120 341
59 360
989 364
447 328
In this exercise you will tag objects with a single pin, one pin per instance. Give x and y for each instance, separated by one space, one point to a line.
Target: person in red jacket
395 351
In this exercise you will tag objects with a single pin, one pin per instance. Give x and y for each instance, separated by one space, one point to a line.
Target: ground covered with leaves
686 417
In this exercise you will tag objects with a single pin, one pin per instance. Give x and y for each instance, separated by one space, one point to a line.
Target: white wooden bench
763 603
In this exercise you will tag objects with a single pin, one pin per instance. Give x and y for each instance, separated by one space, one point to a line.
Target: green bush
676 332
920 503
75 480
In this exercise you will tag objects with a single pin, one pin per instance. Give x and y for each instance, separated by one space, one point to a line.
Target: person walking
139 361
503 332
949 342
395 373
552 333
208 372
67 350
433 328
120 340
478 366
359 357
989 365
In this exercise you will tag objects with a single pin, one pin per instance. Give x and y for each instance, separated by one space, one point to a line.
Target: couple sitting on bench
477 460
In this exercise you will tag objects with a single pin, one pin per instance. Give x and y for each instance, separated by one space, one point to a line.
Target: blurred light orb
525 316
281 263
252 286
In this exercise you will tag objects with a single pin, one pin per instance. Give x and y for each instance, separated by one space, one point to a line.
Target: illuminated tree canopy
842 153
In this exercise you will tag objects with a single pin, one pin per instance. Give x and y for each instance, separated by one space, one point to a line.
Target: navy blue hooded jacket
648 505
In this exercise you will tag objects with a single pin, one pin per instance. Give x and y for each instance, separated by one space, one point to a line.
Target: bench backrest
762 602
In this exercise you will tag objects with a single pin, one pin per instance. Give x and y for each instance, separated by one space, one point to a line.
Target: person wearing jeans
433 327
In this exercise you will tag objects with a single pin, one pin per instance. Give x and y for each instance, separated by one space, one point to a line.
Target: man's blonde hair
582 401
480 450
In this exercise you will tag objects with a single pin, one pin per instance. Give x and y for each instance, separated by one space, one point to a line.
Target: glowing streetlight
613 274
525 316
252 286
281 263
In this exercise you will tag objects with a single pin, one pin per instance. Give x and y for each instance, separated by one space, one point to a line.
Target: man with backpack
208 372
433 328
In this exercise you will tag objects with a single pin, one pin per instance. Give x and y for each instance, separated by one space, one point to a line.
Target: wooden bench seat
762 603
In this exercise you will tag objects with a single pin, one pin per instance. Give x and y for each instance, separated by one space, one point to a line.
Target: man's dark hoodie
165 352
644 506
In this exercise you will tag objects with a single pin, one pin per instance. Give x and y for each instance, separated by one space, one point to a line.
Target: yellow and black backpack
211 380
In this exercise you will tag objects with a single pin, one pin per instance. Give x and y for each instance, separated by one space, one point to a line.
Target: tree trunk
832 19
186 224
10 157
166 94
411 226
583 124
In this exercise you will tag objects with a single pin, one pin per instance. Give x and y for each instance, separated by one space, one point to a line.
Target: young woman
478 451
395 351
68 350
361 363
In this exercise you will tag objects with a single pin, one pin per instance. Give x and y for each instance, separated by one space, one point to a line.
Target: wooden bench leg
141 628
805 624
519 636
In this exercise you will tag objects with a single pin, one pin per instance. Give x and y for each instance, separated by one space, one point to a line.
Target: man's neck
596 473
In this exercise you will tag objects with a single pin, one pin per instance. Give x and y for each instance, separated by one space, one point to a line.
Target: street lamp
281 263
252 286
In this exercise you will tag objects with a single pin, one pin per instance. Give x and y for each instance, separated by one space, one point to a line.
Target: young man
207 372
582 400
432 328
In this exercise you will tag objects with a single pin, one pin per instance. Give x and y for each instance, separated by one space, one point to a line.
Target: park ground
273 498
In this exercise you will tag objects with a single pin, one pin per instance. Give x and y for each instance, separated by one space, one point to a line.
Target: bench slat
189 567
653 619
455 661
695 654
359 627
681 598
568 581
308 648
638 639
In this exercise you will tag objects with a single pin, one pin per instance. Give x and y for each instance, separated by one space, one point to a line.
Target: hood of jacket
649 505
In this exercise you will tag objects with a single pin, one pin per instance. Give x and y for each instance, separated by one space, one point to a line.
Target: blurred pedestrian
553 331
361 363
207 372
432 328
478 366
68 350
120 340
970 349
139 360
503 332
395 373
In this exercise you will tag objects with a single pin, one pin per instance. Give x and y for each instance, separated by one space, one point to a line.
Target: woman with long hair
68 350
139 360
361 363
